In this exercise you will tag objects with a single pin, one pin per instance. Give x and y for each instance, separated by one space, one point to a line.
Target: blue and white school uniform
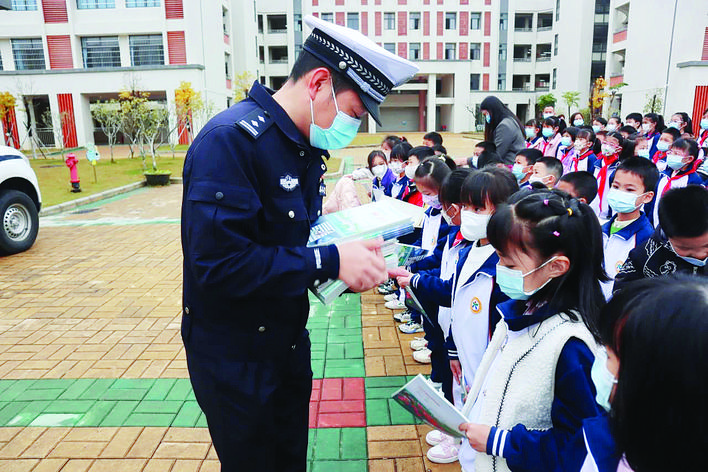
533 387
652 139
600 204
382 186
584 162
398 188
593 449
618 245
667 180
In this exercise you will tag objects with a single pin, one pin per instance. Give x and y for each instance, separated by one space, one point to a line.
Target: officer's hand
361 264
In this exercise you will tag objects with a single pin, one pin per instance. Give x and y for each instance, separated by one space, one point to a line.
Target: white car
20 202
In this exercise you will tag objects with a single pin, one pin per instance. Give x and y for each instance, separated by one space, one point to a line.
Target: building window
147 50
450 51
555 45
474 81
475 20
277 23
415 21
93 4
503 21
523 22
450 21
28 53
353 21
502 52
328 17
297 19
558 9
142 3
555 73
227 66
390 47
414 51
225 20
261 54
100 51
260 23
545 21
475 51
278 54
389 21
543 52
501 82
23 5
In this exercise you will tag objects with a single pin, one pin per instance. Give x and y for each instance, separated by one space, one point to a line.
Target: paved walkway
92 370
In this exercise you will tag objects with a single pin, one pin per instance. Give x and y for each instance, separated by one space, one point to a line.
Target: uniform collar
626 232
264 98
514 314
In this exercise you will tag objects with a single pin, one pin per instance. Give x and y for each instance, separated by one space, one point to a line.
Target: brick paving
92 369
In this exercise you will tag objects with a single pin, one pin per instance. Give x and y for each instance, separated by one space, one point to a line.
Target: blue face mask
622 202
675 161
662 145
566 141
511 281
704 123
578 122
488 118
518 171
547 132
530 132
694 261
596 128
643 153
603 379
339 134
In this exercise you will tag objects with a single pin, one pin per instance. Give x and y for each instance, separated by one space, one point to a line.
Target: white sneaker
391 296
402 317
395 305
419 343
445 452
436 437
411 328
422 356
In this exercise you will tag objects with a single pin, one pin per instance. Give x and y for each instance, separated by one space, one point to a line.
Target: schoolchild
599 124
613 124
566 149
629 227
628 132
666 139
523 164
547 171
581 185
552 131
634 120
652 126
604 173
399 156
473 295
577 119
681 122
388 144
681 165
702 133
383 177
584 158
533 387
479 148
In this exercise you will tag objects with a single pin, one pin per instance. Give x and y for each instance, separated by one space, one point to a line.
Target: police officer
252 189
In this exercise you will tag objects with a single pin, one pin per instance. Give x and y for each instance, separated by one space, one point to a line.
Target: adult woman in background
502 128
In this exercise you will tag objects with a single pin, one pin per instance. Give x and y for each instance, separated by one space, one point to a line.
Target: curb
62 207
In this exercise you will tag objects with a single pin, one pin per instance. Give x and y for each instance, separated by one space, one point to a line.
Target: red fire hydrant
71 163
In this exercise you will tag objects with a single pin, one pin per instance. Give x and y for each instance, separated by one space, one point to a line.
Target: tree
571 99
7 103
152 121
547 100
242 84
57 122
654 101
132 103
109 117
614 90
598 95
188 103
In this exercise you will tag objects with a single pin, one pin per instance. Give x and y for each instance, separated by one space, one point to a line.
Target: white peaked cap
370 67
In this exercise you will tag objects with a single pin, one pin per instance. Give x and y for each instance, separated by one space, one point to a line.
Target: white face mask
396 167
536 178
410 171
379 171
646 127
473 225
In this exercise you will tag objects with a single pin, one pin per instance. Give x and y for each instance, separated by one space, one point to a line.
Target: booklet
428 404
408 254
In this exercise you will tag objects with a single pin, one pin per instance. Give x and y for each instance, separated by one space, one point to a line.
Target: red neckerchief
658 155
545 145
607 161
577 158
458 239
703 138
678 175
567 151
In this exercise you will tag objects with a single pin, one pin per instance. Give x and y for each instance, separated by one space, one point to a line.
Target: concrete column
83 120
421 110
430 121
371 125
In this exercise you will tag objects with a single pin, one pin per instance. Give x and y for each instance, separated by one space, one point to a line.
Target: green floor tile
149 419
318 368
10 411
399 415
119 413
353 443
398 381
97 389
180 390
155 406
344 338
95 416
187 416
377 412
31 411
56 419
16 389
69 406
354 350
335 351
344 368
143 384
42 394
43 384
76 389
201 422
339 466
310 443
160 389
124 394
327 443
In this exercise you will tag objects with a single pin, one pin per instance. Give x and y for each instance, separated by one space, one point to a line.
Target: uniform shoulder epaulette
256 122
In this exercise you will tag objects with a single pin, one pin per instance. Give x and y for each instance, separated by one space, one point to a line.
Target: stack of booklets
428 404
388 218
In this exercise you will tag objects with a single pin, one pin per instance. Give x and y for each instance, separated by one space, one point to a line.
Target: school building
58 57
659 49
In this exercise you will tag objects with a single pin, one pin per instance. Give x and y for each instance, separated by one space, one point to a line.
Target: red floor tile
342 406
337 403
341 420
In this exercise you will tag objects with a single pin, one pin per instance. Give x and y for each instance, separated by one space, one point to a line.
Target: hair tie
570 212
556 234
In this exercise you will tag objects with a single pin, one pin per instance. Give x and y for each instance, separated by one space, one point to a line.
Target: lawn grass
53 176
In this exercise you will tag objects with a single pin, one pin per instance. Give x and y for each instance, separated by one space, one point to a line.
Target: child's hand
477 435
404 280
398 272
456 369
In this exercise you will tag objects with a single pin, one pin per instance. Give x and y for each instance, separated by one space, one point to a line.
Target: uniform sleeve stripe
504 432
495 443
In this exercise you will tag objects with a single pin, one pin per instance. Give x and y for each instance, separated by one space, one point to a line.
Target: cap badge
342 65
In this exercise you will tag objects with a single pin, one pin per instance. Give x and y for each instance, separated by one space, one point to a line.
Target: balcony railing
522 59
545 28
523 28
543 58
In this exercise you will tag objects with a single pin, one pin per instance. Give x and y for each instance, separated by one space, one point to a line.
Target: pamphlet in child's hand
420 398
408 254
